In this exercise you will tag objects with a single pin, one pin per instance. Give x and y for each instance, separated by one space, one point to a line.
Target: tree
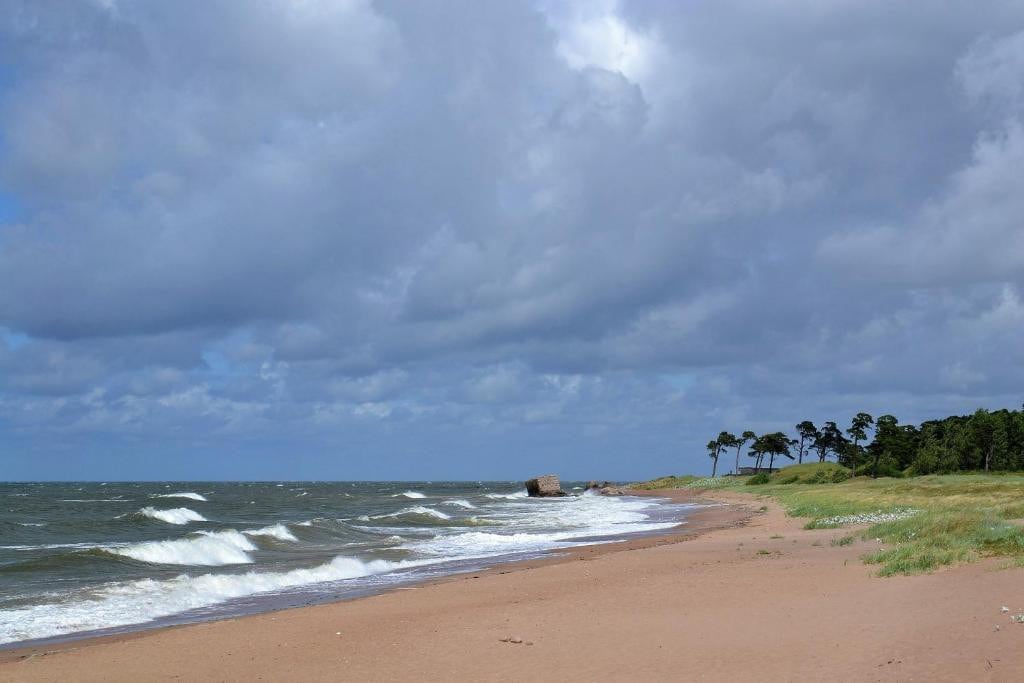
819 444
828 439
983 428
886 431
756 451
727 440
738 443
833 438
773 445
990 440
807 431
715 448
858 431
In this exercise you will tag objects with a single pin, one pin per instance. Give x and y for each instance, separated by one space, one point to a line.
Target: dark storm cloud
595 226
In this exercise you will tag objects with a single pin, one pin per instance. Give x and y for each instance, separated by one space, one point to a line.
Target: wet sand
738 593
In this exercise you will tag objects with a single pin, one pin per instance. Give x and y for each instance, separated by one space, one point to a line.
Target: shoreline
742 594
690 524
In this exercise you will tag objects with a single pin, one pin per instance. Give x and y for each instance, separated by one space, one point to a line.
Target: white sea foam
519 526
506 496
410 494
460 503
547 525
416 510
138 602
278 531
173 516
184 494
207 548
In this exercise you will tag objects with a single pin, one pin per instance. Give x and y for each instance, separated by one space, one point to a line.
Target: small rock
529 642
515 640
1004 609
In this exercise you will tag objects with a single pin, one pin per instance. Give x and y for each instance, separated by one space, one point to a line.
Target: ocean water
79 558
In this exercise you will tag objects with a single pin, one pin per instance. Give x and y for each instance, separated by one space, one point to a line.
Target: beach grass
919 523
669 482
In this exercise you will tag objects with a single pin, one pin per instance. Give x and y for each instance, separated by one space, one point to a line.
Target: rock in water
610 490
548 485
606 489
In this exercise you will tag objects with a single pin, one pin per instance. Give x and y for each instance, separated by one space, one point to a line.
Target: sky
344 239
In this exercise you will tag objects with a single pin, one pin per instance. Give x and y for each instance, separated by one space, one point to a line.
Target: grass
922 522
669 482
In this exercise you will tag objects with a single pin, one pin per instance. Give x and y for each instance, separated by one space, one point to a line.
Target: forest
882 447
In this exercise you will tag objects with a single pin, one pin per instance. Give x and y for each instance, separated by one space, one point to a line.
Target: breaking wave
506 496
278 531
293 547
416 514
460 503
138 602
185 494
172 516
207 548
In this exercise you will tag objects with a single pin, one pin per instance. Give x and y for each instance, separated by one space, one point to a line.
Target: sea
82 559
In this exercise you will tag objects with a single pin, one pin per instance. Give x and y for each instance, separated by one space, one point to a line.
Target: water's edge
315 594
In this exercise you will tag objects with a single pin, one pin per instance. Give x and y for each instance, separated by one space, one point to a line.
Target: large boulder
611 490
548 485
606 489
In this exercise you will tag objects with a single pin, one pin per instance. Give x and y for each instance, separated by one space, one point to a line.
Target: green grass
811 473
667 482
953 518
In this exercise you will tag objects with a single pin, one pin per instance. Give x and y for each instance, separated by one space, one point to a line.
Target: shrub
757 479
829 476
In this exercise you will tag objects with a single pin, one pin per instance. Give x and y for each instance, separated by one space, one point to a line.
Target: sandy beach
741 592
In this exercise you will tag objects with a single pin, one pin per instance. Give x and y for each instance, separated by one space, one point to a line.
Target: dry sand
753 596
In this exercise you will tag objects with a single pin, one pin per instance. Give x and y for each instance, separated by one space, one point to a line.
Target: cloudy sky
421 240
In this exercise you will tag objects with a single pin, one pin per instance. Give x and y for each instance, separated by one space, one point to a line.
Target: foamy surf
416 510
506 496
184 494
278 531
138 602
99 571
460 503
173 516
207 548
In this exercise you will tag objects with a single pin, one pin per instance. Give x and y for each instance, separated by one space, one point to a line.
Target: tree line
985 440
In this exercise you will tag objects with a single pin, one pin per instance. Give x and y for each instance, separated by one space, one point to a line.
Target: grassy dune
922 522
